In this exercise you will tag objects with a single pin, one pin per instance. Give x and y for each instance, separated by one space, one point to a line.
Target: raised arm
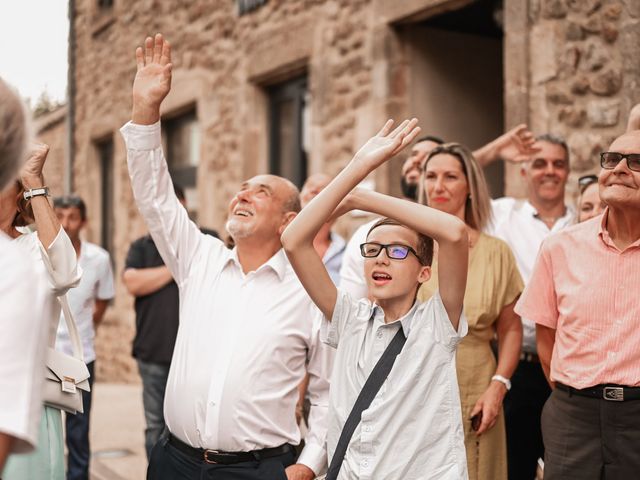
448 231
176 236
57 252
516 146
297 239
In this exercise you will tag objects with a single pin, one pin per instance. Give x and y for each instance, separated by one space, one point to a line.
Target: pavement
117 433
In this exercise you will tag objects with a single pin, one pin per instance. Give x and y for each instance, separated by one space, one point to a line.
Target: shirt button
212 403
367 428
365 463
379 334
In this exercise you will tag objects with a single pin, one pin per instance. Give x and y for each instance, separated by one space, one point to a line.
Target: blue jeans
154 382
77 427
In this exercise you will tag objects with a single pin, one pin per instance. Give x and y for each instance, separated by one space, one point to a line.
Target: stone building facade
295 86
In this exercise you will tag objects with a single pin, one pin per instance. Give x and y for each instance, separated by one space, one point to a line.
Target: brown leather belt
228 458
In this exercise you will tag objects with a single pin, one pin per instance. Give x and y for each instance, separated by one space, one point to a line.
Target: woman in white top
49 253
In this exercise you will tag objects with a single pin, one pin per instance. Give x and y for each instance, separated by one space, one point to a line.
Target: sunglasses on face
586 180
395 251
610 160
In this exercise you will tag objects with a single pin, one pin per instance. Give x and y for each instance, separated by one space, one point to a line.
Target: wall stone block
607 83
603 113
554 8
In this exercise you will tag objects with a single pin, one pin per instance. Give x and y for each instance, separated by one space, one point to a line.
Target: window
181 143
247 6
105 158
287 119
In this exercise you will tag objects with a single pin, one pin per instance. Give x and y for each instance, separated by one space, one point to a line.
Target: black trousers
590 439
77 428
168 463
522 410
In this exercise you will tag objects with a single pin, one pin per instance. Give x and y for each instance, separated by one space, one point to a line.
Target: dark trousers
77 428
168 463
590 439
154 383
522 410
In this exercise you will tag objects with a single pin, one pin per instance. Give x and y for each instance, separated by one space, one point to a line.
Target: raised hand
386 143
153 79
517 145
31 173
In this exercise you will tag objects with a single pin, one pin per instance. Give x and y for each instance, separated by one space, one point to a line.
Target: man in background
88 302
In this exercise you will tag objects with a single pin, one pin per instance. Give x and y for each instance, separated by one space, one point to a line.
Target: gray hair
555 140
15 133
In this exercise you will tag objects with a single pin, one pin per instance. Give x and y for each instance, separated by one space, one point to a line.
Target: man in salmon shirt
583 297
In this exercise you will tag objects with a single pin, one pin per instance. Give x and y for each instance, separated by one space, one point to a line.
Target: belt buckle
206 456
614 394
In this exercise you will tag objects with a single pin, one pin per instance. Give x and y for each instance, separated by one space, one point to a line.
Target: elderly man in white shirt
248 331
523 224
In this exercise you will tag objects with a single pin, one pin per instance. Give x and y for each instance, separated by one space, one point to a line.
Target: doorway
457 79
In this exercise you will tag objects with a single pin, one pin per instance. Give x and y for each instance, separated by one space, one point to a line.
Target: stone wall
51 128
584 69
571 66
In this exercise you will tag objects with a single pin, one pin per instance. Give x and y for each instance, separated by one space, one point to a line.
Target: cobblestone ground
117 433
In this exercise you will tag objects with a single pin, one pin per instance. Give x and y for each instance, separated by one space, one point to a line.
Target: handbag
66 376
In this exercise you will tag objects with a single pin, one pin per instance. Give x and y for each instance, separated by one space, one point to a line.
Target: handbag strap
76 345
371 387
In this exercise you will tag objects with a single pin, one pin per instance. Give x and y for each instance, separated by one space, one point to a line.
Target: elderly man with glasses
582 296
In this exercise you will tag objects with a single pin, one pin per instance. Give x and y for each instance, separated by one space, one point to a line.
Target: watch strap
36 192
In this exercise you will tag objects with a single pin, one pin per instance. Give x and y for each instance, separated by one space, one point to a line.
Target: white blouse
29 312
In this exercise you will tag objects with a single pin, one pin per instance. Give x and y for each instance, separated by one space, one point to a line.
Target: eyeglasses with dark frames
395 251
586 180
610 160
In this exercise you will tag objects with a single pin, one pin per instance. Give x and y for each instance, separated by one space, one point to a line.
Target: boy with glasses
582 295
391 416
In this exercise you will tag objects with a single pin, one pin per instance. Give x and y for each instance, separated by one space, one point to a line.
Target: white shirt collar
277 263
406 320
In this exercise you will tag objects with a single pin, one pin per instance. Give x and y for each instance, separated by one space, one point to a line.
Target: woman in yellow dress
452 181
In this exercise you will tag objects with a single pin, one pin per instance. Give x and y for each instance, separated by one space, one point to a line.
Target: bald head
313 186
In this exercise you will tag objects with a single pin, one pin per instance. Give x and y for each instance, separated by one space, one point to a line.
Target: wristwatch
503 380
35 192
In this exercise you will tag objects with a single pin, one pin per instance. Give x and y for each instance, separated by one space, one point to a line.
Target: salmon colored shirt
588 290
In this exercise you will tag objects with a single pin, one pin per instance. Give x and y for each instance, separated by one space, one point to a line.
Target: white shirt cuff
314 457
141 137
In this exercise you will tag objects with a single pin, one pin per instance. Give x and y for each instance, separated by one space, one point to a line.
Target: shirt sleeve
61 262
435 315
177 238
105 290
314 454
500 210
510 277
345 309
25 305
538 301
352 269
135 256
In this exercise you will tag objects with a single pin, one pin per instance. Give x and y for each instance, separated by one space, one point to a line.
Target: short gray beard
237 231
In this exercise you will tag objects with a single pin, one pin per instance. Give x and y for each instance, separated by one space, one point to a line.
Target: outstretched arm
297 239
448 231
516 146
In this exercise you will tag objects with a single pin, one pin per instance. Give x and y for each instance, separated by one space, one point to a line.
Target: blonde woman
453 182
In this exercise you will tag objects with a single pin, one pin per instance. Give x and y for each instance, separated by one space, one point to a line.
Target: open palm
386 143
153 78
